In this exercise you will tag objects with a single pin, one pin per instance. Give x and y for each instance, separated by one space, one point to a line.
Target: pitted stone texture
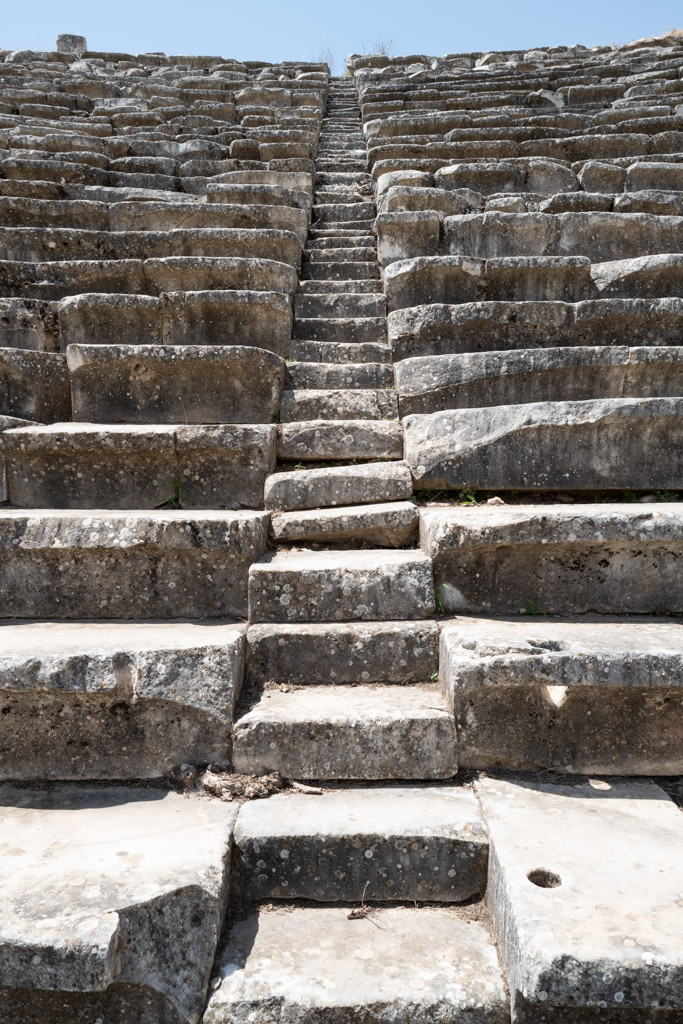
315 963
174 384
613 559
116 700
88 465
346 439
117 899
367 483
358 652
395 843
603 945
34 385
340 586
364 404
570 696
344 732
434 383
611 443
393 524
127 565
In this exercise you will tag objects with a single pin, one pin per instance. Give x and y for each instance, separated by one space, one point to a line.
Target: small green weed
629 496
175 498
467 496
434 677
531 607
668 495
439 602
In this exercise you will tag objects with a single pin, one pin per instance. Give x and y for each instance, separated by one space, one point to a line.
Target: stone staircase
340 557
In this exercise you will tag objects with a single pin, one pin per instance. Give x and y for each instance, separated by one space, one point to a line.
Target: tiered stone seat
341 427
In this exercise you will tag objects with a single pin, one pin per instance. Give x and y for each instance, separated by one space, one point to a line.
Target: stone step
300 654
341 178
345 254
35 385
174 383
334 241
429 384
340 304
367 483
341 732
424 842
366 227
335 287
363 404
127 565
116 466
110 880
591 697
285 957
360 329
340 270
382 525
340 586
614 444
615 559
323 440
599 877
338 352
321 376
117 700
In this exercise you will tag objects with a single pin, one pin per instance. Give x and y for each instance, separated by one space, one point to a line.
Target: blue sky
300 29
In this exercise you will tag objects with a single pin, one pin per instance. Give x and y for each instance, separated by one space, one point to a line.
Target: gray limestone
340 586
367 483
34 385
174 384
358 652
116 700
343 732
613 558
112 903
92 465
309 964
538 694
345 439
610 443
127 565
587 907
364 404
397 843
393 524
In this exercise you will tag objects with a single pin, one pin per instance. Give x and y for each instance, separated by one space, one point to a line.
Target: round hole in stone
543 878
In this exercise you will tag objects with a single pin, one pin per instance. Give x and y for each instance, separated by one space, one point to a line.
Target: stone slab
127 565
358 652
367 483
585 893
174 384
613 559
114 906
340 586
93 465
608 443
116 700
345 439
537 694
348 732
393 524
375 843
315 963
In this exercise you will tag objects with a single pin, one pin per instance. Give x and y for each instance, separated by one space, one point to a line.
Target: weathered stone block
410 843
174 384
613 559
123 565
128 891
366 483
116 700
587 909
34 385
601 697
393 524
89 465
610 443
340 732
345 439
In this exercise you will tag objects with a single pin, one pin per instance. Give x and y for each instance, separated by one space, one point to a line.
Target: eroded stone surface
117 893
316 962
584 890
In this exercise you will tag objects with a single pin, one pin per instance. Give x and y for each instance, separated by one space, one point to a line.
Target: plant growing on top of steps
531 607
175 498
467 496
